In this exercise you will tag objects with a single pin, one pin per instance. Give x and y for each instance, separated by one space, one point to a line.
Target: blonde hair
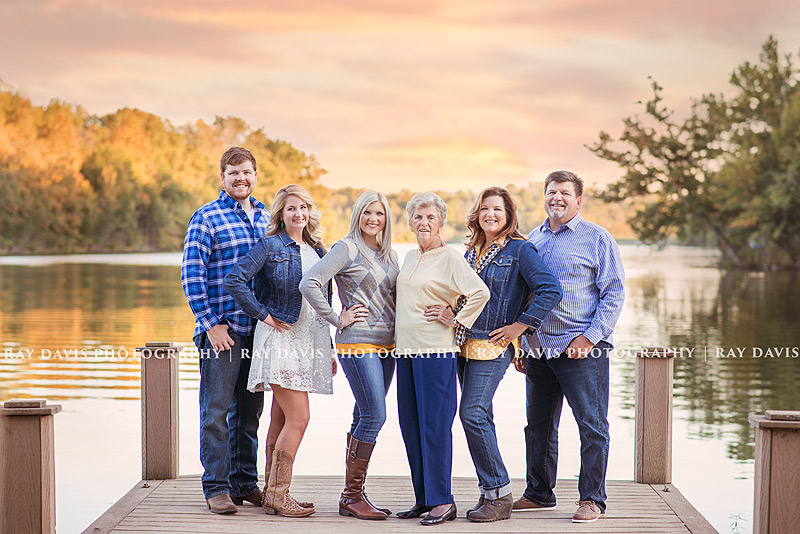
276 225
475 235
385 252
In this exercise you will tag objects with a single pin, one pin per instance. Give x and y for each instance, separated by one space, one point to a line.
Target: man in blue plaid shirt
219 234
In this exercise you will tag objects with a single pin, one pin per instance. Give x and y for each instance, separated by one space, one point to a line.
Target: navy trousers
426 405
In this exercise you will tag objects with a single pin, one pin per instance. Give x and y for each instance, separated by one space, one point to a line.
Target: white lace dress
299 358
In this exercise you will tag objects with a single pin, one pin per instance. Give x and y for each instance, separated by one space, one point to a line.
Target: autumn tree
731 169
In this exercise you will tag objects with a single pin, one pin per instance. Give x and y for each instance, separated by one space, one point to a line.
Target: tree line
727 174
129 181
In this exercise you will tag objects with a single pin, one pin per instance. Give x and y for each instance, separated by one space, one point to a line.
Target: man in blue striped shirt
575 340
219 234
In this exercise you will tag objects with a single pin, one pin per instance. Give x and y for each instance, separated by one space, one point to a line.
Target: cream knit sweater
437 277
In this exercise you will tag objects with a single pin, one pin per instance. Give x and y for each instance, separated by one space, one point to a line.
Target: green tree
729 170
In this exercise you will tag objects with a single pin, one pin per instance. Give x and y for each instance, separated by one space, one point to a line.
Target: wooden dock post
27 466
653 442
159 410
777 473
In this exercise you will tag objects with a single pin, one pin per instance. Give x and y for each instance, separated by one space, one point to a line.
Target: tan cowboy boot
353 501
267 510
276 496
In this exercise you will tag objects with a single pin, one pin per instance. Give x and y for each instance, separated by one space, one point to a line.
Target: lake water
69 326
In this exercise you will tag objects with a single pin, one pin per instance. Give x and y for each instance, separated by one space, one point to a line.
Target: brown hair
236 155
476 236
276 226
565 176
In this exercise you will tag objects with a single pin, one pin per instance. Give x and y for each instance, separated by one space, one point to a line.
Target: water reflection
732 321
69 331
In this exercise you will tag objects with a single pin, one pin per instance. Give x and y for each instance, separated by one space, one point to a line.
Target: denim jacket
515 275
276 269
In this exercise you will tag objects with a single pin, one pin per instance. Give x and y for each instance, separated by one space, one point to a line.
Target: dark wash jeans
229 417
585 385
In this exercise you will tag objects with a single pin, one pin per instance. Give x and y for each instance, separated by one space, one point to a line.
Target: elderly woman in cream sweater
429 285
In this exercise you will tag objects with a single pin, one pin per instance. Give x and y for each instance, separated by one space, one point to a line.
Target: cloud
398 89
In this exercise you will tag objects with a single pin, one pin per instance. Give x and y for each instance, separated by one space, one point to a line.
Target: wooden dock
177 506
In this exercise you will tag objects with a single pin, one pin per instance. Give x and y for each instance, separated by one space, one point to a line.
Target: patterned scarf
477 266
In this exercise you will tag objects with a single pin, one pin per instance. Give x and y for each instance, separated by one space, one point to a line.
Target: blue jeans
479 380
426 406
585 385
370 376
229 417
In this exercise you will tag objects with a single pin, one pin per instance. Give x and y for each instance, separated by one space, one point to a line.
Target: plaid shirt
219 234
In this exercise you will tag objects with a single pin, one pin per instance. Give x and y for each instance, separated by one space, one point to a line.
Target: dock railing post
653 442
28 466
159 410
777 472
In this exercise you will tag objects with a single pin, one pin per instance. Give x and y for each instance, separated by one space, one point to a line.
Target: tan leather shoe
221 504
587 512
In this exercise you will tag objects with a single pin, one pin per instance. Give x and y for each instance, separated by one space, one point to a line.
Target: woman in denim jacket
512 269
292 345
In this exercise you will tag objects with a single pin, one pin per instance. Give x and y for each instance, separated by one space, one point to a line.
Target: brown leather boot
384 510
276 496
353 502
267 510
492 510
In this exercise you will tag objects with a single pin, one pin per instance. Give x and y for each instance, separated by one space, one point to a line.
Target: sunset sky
420 94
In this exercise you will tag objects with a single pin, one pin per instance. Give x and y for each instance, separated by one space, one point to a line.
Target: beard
556 212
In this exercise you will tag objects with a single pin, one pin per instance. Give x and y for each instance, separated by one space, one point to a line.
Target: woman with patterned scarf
512 269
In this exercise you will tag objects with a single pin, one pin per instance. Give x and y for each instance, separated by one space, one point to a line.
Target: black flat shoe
415 511
449 515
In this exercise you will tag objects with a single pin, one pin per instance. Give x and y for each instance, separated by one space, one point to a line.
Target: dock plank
177 506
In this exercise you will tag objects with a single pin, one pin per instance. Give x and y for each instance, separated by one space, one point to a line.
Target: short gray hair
421 200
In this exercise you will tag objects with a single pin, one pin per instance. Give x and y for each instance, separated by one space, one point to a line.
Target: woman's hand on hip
356 312
506 334
280 326
443 314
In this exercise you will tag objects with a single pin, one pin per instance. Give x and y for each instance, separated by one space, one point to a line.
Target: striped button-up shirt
585 259
219 234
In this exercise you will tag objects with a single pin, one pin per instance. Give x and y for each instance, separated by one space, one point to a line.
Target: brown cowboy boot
352 501
276 496
267 510
384 510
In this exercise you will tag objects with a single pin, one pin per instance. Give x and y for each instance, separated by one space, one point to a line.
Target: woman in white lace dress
292 354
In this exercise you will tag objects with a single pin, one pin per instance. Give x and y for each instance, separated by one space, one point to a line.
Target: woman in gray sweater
365 269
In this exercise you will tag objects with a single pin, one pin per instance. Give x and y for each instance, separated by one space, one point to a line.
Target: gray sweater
373 286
